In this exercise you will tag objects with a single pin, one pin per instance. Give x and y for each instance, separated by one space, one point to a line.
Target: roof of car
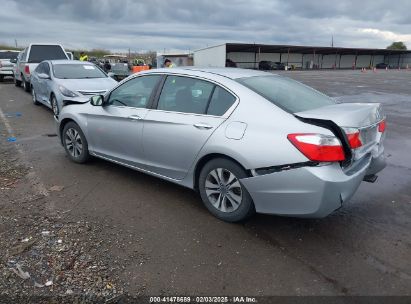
232 73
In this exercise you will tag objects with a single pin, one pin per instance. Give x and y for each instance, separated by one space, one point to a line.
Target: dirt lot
100 231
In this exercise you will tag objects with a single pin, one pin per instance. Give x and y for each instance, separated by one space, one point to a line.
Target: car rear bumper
308 191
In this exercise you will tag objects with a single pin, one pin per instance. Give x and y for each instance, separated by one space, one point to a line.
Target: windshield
288 94
38 53
77 71
8 55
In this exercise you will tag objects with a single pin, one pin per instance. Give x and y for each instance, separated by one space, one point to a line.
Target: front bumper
7 72
308 191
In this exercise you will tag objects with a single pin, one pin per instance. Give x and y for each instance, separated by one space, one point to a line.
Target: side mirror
43 76
97 100
14 60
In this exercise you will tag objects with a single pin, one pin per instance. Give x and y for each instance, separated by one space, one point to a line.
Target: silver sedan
55 80
247 141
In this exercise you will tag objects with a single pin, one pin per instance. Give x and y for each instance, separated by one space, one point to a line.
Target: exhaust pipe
370 178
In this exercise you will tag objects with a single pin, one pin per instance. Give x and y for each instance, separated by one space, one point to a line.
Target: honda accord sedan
247 141
54 80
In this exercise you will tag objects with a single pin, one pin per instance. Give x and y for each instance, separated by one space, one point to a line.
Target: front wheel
222 192
54 105
34 97
75 143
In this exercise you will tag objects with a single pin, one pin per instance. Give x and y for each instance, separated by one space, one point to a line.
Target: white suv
31 56
7 61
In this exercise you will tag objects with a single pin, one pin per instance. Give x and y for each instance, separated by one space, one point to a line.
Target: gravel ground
49 255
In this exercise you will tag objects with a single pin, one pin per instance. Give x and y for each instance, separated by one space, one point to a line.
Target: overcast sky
188 25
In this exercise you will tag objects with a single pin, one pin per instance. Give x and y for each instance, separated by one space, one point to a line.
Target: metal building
300 57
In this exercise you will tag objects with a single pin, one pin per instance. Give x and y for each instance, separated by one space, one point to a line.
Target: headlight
67 92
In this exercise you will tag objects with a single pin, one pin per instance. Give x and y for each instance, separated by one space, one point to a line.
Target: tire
54 105
224 196
26 85
1 78
34 97
17 82
72 134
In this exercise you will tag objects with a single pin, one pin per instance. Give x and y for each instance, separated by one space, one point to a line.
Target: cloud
182 24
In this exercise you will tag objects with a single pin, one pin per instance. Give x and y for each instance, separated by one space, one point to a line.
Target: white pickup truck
31 56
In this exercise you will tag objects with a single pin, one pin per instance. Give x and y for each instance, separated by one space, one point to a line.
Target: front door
115 129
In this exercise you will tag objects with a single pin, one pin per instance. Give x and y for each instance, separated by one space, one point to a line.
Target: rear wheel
1 78
34 97
222 192
26 85
75 143
17 82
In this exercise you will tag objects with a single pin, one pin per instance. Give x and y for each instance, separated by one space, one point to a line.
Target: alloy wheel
33 95
54 106
223 190
73 142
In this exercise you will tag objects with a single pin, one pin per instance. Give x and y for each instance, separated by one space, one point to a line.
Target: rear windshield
77 71
38 53
288 94
8 55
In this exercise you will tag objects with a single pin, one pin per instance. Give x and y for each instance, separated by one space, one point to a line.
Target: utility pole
332 40
15 42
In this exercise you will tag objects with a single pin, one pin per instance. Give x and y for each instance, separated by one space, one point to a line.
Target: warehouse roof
323 50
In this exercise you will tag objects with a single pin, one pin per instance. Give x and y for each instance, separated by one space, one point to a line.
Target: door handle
203 126
134 117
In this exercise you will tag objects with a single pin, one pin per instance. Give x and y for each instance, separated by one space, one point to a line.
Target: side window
184 94
134 93
46 69
40 68
24 55
220 102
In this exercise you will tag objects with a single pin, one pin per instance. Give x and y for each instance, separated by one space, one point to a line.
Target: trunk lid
349 117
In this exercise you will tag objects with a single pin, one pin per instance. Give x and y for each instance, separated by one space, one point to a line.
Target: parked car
30 57
8 59
54 80
269 65
247 140
381 65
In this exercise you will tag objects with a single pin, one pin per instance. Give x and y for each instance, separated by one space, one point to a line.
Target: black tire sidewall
246 208
54 100
34 97
84 156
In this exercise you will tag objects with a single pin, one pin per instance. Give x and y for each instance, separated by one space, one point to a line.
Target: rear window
288 94
38 53
77 71
8 55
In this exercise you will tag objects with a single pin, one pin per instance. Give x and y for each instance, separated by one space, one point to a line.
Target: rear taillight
318 147
353 136
27 69
382 126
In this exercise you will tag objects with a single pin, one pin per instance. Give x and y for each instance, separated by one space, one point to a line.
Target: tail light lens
353 136
26 69
318 147
382 126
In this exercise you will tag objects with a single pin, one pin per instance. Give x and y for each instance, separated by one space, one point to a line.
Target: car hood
354 115
92 86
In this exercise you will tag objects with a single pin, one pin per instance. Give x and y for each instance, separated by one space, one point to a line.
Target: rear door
179 126
115 129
